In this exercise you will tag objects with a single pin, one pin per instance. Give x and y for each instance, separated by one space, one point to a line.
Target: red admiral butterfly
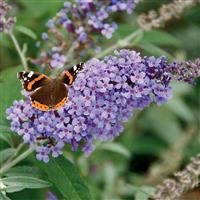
48 93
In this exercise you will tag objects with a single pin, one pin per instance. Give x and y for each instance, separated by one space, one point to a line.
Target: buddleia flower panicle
183 181
6 22
167 12
185 71
79 22
105 94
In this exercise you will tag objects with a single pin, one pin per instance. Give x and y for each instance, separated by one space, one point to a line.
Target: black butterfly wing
69 76
31 80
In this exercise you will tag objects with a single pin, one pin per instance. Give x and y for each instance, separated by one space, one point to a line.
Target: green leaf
178 107
11 189
9 90
26 31
6 136
37 9
4 128
125 30
141 144
137 39
180 88
4 41
154 50
116 148
161 38
64 176
122 31
29 194
17 183
5 154
3 197
163 123
24 171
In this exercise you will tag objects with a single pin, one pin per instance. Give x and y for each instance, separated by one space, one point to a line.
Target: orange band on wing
60 104
39 106
71 78
30 85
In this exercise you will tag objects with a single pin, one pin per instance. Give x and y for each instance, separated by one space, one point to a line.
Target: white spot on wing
75 67
30 74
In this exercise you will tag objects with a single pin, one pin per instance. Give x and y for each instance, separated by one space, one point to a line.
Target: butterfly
48 93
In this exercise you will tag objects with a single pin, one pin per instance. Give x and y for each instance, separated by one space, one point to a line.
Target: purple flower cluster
183 181
58 60
79 21
6 23
91 15
104 95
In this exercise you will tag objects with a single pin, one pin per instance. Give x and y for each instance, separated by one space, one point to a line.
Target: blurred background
157 141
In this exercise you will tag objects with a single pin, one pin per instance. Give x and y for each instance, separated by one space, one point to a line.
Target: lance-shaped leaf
65 177
17 183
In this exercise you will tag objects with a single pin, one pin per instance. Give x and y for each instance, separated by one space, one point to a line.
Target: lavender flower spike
6 23
79 20
105 94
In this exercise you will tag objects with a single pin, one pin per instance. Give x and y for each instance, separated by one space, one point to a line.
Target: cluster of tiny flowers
105 94
6 23
185 180
167 12
185 71
58 60
80 20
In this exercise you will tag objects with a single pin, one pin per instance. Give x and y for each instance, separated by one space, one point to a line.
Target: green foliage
64 176
26 31
24 171
5 134
118 169
17 183
152 49
115 148
161 38
3 196
5 154
9 90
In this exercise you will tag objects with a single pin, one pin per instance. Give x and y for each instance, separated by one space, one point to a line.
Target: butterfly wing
51 96
69 76
31 80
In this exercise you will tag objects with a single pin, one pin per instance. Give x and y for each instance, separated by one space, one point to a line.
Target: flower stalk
120 44
167 12
19 50
183 181
19 158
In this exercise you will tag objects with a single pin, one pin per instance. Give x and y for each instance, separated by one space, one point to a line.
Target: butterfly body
48 93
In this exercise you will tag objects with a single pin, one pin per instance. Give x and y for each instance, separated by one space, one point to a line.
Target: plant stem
19 50
121 43
20 146
70 52
22 156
